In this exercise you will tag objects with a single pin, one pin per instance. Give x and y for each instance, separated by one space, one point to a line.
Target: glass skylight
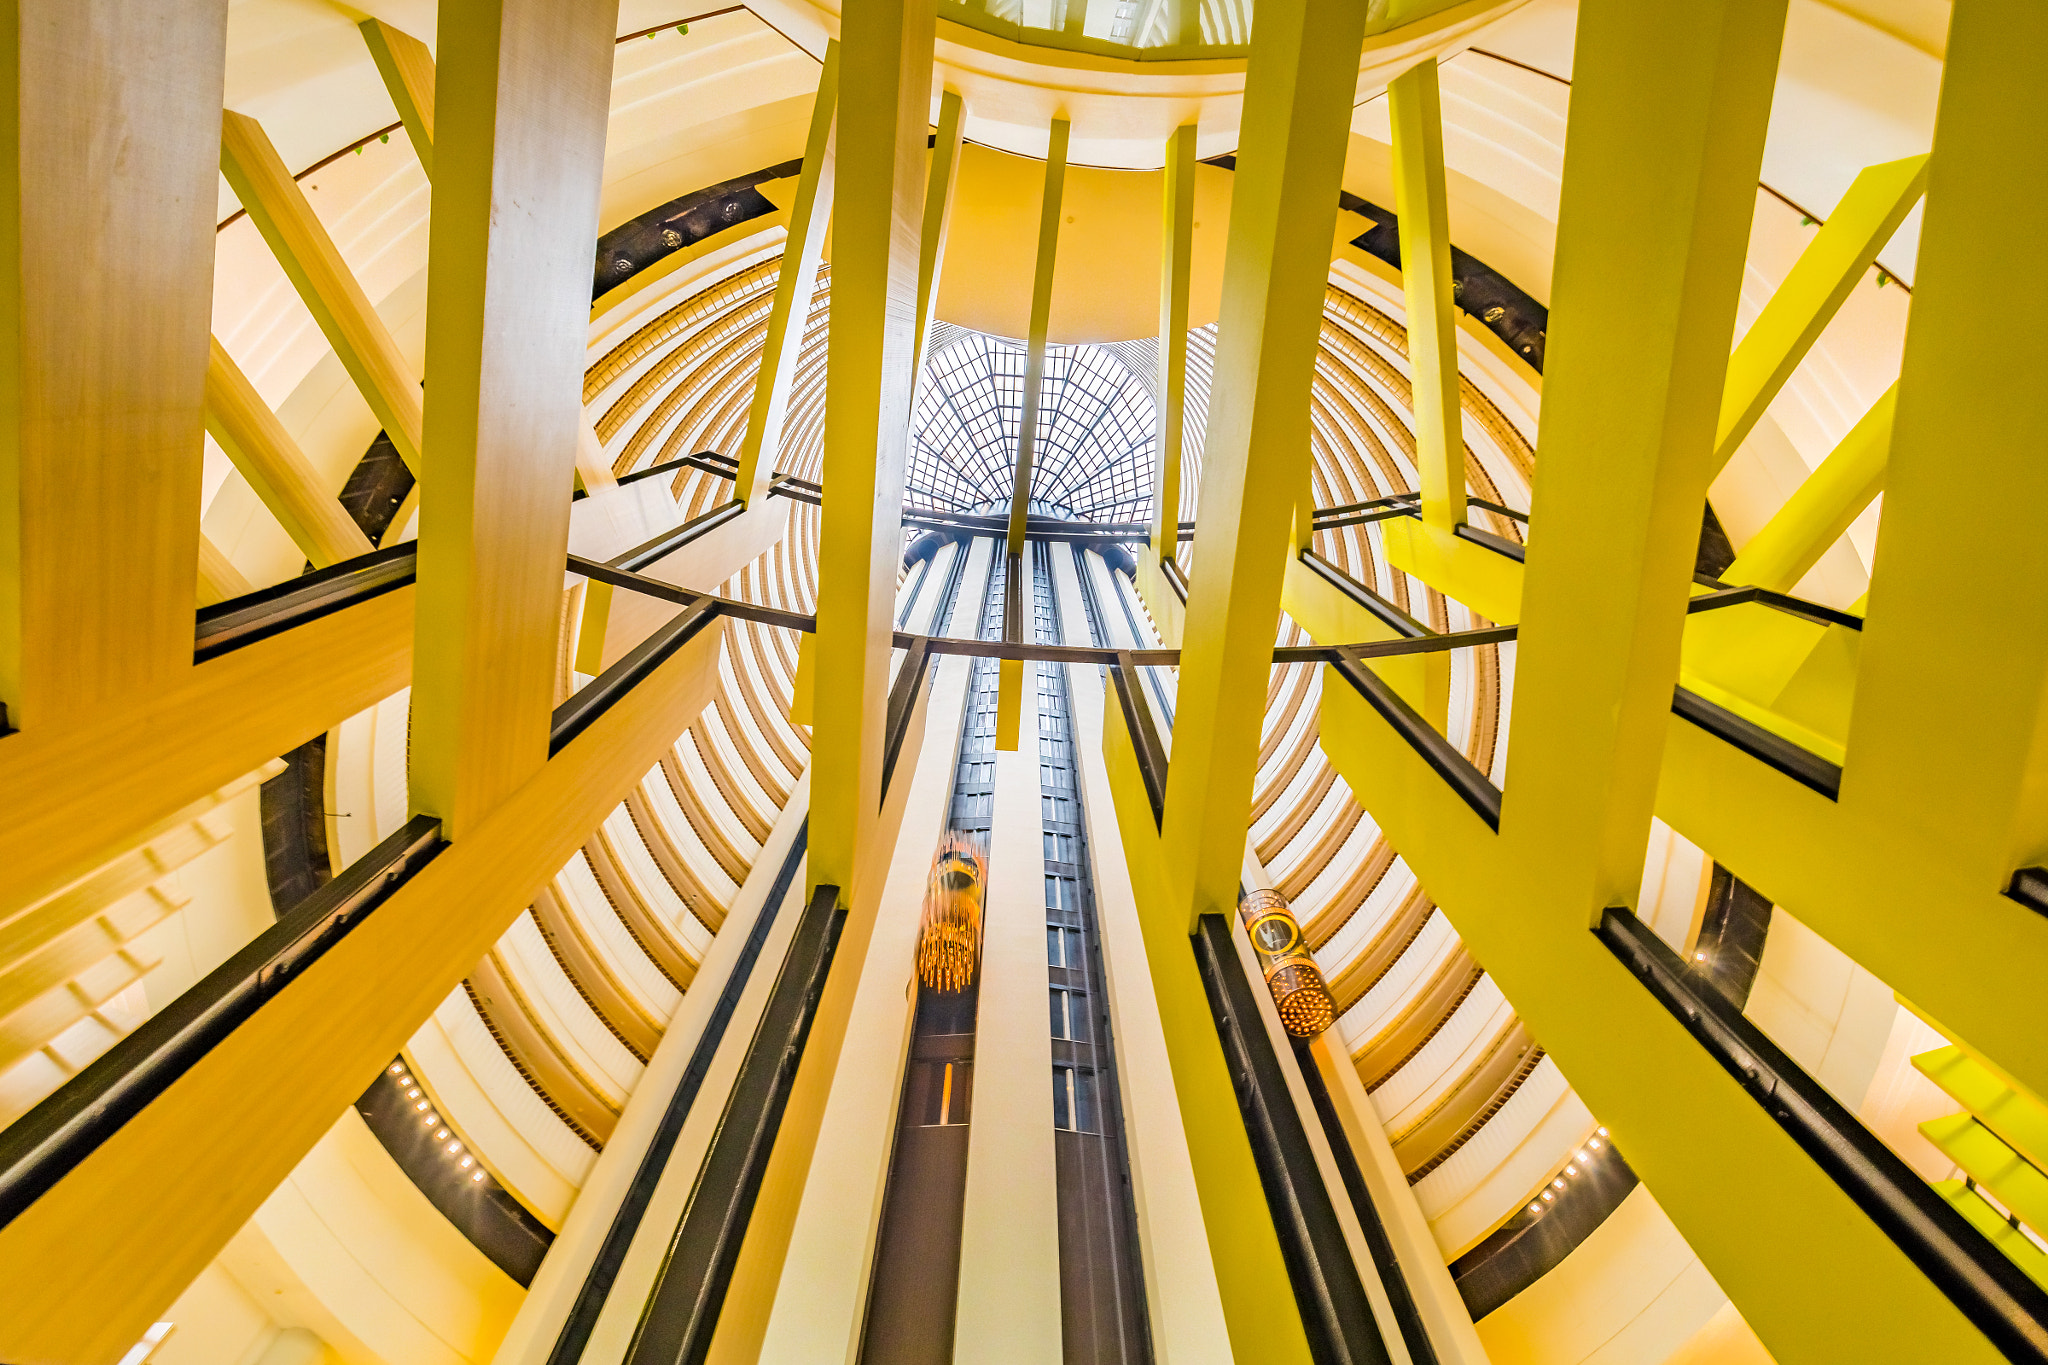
1096 430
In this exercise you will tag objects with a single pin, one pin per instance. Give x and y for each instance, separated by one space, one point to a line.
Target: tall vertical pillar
1176 265
103 343
885 52
794 287
1422 205
1041 324
522 94
943 181
1298 93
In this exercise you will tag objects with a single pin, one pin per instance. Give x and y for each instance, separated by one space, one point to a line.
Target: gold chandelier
949 942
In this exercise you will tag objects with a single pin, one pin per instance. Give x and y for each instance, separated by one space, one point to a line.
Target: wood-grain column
103 340
522 96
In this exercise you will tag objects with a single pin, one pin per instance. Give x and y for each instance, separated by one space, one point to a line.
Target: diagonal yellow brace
1423 208
279 472
1820 509
324 282
1821 280
794 286
408 71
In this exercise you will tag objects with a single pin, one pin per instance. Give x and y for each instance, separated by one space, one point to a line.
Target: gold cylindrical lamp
1299 992
949 939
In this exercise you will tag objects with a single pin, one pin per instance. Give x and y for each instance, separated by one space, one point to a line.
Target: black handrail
1508 512
1381 610
632 1210
601 693
1123 675
1725 596
655 471
682 1312
1773 751
1364 518
1170 570
1500 545
1400 1297
1396 500
669 541
270 611
2029 886
1989 1288
54 1137
1445 757
910 675
1335 1311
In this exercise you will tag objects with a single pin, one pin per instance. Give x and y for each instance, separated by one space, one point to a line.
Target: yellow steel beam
1041 323
809 216
324 283
1668 109
940 186
508 319
1300 81
219 579
113 1243
867 417
408 71
1821 280
275 467
1176 266
1945 782
1820 509
1423 209
1251 1277
886 54
105 343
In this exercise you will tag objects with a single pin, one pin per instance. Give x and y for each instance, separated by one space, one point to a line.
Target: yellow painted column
324 283
867 416
275 467
408 71
102 346
1423 207
1669 107
1972 780
1820 509
1876 202
1300 81
885 52
1176 265
1299 85
940 186
809 216
525 87
1041 323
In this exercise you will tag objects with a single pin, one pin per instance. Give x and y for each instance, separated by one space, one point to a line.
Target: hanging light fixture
1299 991
949 942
